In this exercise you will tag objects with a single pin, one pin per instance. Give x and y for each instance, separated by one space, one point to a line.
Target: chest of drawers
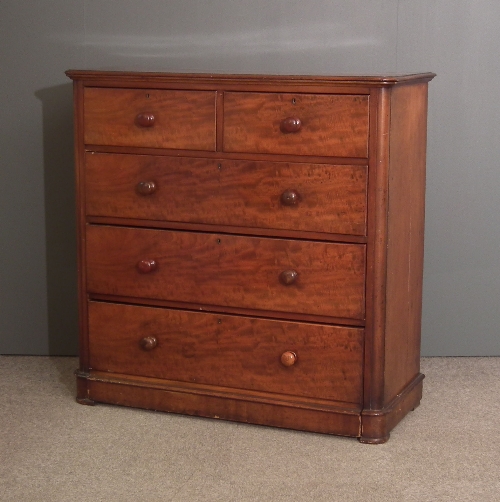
251 247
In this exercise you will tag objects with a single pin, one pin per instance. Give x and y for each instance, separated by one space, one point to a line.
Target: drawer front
297 124
217 269
286 196
228 351
150 118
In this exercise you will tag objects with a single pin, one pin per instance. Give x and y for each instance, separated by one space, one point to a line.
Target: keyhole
147 96
293 101
218 241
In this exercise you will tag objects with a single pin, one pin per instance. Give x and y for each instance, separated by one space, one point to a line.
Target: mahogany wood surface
224 309
252 246
228 270
327 198
272 411
227 351
377 424
204 227
300 124
376 256
150 118
78 90
220 155
405 237
326 84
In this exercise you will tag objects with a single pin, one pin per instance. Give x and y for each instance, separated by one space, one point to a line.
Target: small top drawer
150 118
298 124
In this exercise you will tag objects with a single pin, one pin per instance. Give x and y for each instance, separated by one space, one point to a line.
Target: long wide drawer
150 118
216 269
309 360
297 124
274 195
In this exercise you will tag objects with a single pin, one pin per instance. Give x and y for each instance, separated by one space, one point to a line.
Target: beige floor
53 449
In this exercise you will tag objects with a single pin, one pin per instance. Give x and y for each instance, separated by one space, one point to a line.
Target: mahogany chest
251 247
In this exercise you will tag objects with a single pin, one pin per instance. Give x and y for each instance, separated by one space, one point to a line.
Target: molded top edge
220 78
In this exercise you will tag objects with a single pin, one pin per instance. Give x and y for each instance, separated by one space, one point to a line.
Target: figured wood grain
224 309
182 119
220 155
228 270
351 231
332 125
241 408
228 351
226 392
204 227
331 198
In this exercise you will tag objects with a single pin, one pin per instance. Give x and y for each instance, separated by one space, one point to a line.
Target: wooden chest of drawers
251 247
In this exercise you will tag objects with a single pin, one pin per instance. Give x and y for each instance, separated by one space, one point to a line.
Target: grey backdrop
457 39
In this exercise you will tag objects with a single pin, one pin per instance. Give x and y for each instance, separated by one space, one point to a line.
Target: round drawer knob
146 187
288 358
149 343
146 266
288 277
145 120
290 124
289 198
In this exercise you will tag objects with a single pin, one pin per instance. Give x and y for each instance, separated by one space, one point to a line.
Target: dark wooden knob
288 277
146 266
145 187
289 198
149 343
291 124
145 120
288 358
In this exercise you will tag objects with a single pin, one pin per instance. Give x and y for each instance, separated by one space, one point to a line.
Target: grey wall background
457 39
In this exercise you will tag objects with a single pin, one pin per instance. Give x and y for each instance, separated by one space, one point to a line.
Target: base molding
82 388
369 426
225 404
376 425
85 401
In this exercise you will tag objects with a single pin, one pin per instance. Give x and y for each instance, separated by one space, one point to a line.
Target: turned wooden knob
146 266
145 120
291 124
289 198
288 358
288 277
145 187
149 343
